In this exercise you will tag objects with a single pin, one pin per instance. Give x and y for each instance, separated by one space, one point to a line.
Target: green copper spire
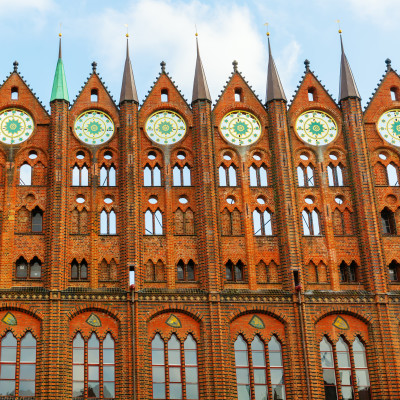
60 90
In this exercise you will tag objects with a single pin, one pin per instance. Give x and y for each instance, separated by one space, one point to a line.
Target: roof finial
59 46
388 62
163 64
338 22
127 32
307 64
235 65
196 34
266 24
15 63
94 66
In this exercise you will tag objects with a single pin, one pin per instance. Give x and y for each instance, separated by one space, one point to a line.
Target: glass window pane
103 223
84 176
345 377
78 389
362 377
327 359
27 371
242 375
103 176
300 176
253 176
222 176
339 175
109 390
240 344
93 373
330 393
278 393
175 391
113 223
259 376
7 388
75 176
28 354
190 343
274 345
28 340
277 376
93 389
358 345
347 393
148 223
310 176
27 388
343 359
192 391
158 390
364 393
7 371
267 224
22 270
176 176
78 356
8 354
147 177
315 221
232 176
243 392
329 377
156 176
158 357
263 177
186 176
306 221
112 178
257 222
175 374
260 392
190 357
93 356
241 358
108 356
360 360
330 176
9 340
158 374
174 357
78 372
158 224
36 270
259 359
191 374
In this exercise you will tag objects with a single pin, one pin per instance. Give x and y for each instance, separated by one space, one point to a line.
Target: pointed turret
60 90
348 87
200 87
128 89
274 84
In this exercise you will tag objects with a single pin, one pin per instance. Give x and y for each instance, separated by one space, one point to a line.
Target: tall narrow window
392 175
79 271
305 176
234 272
191 368
258 176
80 176
260 368
25 175
153 223
394 271
242 369
17 354
335 175
238 95
181 176
388 222
107 176
164 95
361 368
310 95
311 223
227 176
37 220
158 367
152 176
393 94
14 93
348 273
262 223
328 369
344 365
94 95
185 272
108 223
174 368
276 369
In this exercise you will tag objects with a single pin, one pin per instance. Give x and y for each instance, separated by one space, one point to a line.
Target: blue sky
164 30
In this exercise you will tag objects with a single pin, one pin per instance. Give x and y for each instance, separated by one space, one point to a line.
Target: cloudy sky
228 29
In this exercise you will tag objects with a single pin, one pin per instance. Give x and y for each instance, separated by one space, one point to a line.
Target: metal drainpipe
133 342
303 341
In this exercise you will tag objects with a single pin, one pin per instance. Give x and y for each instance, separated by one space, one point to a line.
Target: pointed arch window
79 271
185 272
25 175
93 367
305 176
180 374
258 176
259 368
335 175
108 223
328 369
394 271
392 172
311 223
37 220
348 273
153 222
18 365
80 175
152 176
234 272
184 222
182 176
388 222
107 176
262 223
227 175
231 222
79 221
25 270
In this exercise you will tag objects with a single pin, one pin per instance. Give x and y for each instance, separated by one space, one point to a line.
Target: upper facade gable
15 92
385 97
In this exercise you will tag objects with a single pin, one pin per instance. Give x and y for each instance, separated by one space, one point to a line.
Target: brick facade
206 230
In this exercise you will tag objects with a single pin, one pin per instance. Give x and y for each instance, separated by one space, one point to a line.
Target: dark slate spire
274 85
200 87
348 87
60 90
128 89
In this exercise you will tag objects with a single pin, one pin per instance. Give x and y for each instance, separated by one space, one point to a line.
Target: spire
200 87
274 85
128 89
60 90
348 87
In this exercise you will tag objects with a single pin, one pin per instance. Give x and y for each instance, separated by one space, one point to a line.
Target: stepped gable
380 99
25 96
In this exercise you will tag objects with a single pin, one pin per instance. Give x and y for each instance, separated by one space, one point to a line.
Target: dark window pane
93 389
37 221
22 270
330 393
83 271
36 270
364 394
278 393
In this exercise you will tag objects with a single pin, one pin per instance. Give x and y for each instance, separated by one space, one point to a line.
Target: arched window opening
276 369
108 223
181 176
348 273
394 271
107 176
393 93
262 223
80 176
388 222
152 176
344 365
158 367
238 95
185 272
21 268
153 223
227 176
37 220
328 369
305 176
150 271
79 221
310 94
258 176
14 93
311 223
234 272
93 376
361 368
31 270
335 175
94 95
392 175
18 355
25 175
191 368
35 268
242 368
79 271
164 95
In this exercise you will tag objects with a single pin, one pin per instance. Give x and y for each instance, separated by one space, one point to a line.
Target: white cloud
164 30
288 65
